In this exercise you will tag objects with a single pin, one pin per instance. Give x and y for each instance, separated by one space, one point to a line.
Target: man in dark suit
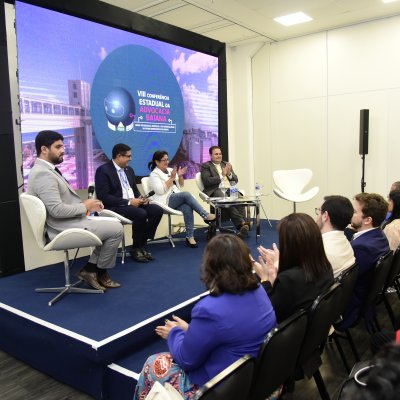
116 188
212 173
369 243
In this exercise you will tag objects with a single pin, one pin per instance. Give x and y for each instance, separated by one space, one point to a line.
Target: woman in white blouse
392 226
167 183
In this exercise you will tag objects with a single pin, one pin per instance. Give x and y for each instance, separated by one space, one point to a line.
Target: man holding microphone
65 210
116 187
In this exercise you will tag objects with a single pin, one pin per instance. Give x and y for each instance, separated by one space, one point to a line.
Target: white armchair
71 238
291 183
167 210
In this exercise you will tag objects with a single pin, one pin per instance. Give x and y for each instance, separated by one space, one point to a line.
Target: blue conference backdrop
136 99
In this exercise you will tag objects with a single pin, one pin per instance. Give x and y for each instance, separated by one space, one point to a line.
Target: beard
57 160
356 225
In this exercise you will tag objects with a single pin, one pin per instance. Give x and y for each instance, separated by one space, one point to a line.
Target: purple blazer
223 329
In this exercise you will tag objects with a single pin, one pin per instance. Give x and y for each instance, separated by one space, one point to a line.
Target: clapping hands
268 263
164 330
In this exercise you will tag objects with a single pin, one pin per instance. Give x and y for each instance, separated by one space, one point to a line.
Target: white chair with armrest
291 183
112 214
73 238
167 210
124 221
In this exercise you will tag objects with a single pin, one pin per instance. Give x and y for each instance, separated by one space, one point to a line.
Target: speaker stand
363 183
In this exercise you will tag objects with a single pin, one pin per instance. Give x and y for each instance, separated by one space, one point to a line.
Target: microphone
90 191
151 193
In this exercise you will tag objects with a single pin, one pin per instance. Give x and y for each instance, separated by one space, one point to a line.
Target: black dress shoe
192 245
137 255
147 254
91 279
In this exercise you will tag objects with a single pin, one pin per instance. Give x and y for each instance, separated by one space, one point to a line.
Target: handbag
166 392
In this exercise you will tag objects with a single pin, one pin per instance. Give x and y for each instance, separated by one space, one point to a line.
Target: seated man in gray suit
66 210
212 172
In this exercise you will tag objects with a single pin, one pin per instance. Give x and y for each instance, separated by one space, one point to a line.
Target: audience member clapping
228 323
294 276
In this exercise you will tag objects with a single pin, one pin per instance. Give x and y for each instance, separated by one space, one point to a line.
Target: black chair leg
321 386
341 352
389 310
352 345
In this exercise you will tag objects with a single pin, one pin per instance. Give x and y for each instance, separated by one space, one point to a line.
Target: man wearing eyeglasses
116 188
332 219
369 243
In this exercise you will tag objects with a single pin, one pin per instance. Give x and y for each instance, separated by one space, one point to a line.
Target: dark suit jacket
108 185
367 249
211 178
291 292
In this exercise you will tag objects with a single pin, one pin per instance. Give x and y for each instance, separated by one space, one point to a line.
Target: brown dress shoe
91 279
106 280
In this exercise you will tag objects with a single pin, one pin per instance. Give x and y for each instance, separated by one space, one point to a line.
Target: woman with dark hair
392 225
167 183
296 274
230 322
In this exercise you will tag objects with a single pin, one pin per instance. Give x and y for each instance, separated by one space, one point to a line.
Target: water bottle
257 190
233 192
222 187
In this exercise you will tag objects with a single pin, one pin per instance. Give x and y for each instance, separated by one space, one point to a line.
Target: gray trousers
110 233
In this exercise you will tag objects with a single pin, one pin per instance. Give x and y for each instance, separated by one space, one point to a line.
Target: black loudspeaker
364 125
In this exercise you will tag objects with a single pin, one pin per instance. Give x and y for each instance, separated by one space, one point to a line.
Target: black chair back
347 280
394 269
378 280
322 314
278 355
233 383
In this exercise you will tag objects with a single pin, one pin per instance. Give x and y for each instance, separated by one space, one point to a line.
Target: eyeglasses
317 211
164 160
126 155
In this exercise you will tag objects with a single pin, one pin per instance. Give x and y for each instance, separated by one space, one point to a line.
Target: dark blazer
108 185
211 178
291 292
367 249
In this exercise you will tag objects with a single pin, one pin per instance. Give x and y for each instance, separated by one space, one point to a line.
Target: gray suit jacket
211 178
64 207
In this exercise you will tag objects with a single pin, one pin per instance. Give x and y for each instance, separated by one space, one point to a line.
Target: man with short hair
332 218
116 188
369 243
65 210
212 173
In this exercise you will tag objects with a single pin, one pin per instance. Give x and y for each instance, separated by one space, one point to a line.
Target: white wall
307 93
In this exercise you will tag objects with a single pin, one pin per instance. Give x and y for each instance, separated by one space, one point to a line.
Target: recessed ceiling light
293 19
389 1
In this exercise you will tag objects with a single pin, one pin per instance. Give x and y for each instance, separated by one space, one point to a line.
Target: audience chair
291 183
278 355
378 278
232 383
124 221
69 239
391 281
322 314
347 279
167 210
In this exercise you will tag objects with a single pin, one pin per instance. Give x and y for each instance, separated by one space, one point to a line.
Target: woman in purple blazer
230 322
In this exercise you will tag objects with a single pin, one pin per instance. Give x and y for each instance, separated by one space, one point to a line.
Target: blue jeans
185 202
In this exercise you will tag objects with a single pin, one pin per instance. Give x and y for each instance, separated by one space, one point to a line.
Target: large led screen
98 86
